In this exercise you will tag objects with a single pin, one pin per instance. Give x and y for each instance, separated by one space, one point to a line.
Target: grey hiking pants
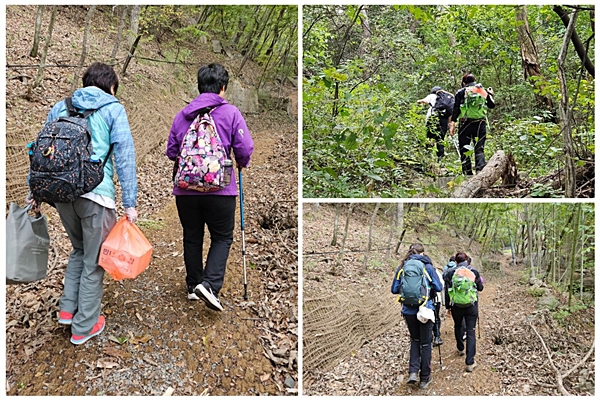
87 224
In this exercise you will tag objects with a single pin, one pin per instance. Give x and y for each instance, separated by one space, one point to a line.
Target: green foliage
363 134
536 291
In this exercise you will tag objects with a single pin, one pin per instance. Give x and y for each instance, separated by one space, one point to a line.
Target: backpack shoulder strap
72 111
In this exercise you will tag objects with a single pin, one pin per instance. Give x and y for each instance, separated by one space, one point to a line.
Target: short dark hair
102 76
461 257
212 78
468 78
452 258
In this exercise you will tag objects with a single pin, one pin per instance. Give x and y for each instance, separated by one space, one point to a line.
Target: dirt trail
171 341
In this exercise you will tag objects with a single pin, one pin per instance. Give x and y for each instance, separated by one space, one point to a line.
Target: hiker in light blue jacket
89 218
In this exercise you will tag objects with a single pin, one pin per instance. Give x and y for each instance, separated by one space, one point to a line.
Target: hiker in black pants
470 109
437 119
467 312
420 332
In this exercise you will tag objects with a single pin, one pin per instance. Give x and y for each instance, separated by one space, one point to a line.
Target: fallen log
499 166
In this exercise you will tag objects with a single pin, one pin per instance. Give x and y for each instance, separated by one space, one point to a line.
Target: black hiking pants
469 316
420 346
436 130
472 131
218 214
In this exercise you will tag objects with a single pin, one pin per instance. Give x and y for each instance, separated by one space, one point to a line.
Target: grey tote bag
27 245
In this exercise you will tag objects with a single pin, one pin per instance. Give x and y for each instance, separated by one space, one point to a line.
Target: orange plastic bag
126 252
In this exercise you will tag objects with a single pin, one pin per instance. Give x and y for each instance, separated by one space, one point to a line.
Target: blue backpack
411 283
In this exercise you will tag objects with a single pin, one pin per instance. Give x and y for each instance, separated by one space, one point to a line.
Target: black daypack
444 104
62 162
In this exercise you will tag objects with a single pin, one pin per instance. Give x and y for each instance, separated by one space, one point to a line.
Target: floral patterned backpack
202 163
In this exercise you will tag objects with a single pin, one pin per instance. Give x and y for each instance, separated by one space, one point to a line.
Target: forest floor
157 341
510 357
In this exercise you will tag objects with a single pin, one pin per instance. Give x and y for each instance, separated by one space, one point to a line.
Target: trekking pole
243 237
478 328
440 351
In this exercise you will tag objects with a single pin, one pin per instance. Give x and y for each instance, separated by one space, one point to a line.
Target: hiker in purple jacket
215 209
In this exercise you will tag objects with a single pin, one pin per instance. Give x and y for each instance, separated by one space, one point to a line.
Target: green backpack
474 106
463 292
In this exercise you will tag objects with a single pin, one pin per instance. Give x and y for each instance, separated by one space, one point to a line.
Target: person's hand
34 205
131 214
449 312
452 129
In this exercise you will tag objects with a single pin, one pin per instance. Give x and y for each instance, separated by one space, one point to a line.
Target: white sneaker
191 294
211 300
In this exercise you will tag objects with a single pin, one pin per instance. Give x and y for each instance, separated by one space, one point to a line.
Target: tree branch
589 66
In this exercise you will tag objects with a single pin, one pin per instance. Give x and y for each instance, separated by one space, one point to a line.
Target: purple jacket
231 128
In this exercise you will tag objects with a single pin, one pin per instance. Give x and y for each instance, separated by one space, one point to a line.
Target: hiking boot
191 294
96 330
425 382
65 318
412 378
205 293
437 341
460 352
471 367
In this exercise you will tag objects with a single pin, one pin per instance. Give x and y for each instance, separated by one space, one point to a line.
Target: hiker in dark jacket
471 129
469 313
438 298
437 123
420 333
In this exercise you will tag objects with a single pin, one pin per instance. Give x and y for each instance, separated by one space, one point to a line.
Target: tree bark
36 35
370 242
388 250
338 261
338 209
496 168
40 73
563 111
86 31
366 32
113 56
529 55
579 47
573 251
134 24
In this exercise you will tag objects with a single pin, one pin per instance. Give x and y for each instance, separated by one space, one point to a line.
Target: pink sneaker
96 330
65 318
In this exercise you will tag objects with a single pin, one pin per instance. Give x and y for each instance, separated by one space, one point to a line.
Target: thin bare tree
36 35
86 31
40 73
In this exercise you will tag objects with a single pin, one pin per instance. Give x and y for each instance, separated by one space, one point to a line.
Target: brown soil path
173 343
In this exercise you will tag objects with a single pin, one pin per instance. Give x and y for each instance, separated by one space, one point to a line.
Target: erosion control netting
150 123
335 326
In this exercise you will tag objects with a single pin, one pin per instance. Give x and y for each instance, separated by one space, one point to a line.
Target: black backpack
444 104
62 162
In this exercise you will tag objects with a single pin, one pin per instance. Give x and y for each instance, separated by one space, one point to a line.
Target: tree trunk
581 254
368 253
86 31
113 56
388 250
400 222
529 55
366 32
134 24
564 114
36 35
130 54
338 209
528 220
499 166
338 262
573 252
579 48
40 73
